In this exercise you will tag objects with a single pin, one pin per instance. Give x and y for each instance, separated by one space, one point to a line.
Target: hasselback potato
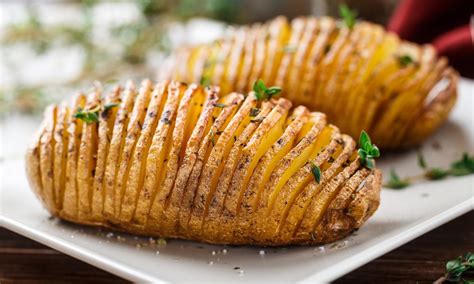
181 161
362 77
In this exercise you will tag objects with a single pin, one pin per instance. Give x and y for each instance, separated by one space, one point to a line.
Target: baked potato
362 77
181 161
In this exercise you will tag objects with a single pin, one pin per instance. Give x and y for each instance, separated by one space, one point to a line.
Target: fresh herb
88 116
254 111
220 105
464 166
367 151
405 60
211 134
421 160
264 93
456 269
436 174
395 182
348 16
289 49
205 81
316 171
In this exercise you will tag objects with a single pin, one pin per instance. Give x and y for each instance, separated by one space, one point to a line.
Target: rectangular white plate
403 215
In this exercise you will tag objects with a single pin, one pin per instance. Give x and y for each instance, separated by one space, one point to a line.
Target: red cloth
443 23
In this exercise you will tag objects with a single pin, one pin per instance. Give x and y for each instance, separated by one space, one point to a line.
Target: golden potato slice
230 104
233 62
115 149
193 144
296 67
297 29
74 132
266 165
137 163
320 200
174 155
105 128
295 208
46 156
60 153
214 206
278 33
285 192
306 89
32 162
259 56
86 160
248 59
157 155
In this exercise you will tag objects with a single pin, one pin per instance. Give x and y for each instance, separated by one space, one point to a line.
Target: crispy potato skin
180 161
321 64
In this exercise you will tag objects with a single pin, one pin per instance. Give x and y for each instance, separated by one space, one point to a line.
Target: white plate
403 215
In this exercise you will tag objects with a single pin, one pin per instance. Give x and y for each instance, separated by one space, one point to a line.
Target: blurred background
51 49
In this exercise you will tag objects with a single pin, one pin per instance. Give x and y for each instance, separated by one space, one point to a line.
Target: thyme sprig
461 167
316 171
456 269
367 151
348 16
92 115
262 92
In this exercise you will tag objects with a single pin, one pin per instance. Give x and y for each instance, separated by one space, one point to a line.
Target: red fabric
443 23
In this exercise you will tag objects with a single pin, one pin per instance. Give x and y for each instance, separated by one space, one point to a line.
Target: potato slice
319 202
32 162
193 144
86 160
266 165
295 208
174 156
230 104
248 59
285 192
105 128
115 149
259 56
60 153
137 163
212 224
297 28
296 68
233 62
157 155
278 33
304 93
74 132
47 158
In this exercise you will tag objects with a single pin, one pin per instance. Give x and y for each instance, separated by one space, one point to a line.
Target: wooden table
420 261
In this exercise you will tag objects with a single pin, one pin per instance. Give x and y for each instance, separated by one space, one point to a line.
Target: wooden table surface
420 261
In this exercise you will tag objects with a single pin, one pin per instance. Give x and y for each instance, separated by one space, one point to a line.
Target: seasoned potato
363 71
182 161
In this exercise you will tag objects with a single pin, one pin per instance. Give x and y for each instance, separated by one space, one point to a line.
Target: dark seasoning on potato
183 161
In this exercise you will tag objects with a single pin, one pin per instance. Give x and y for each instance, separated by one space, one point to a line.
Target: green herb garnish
205 81
421 160
108 106
463 167
396 182
367 151
88 116
405 60
316 171
436 174
264 93
348 16
456 269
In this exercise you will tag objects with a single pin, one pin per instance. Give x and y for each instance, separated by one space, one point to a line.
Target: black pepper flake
166 120
237 268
